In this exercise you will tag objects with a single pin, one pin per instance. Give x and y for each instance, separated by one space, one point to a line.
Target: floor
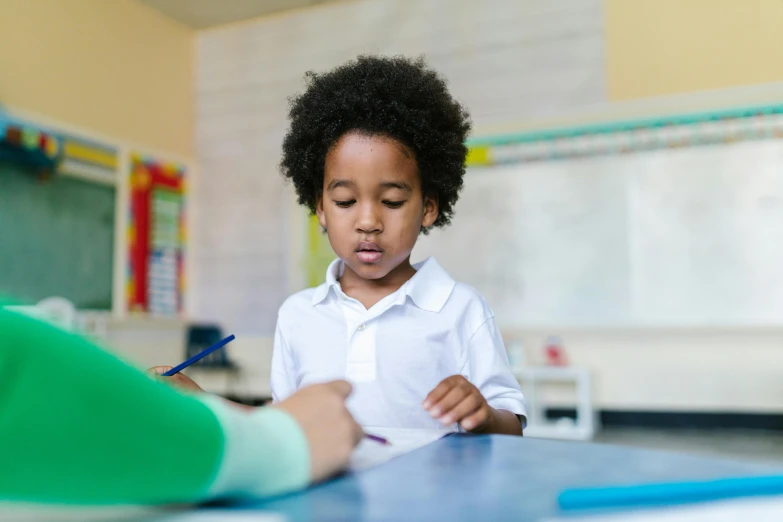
750 445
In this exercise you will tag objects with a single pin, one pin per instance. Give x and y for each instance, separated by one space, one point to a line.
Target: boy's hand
331 431
455 399
178 380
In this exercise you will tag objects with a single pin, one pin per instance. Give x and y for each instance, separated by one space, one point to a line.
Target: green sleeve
78 426
266 453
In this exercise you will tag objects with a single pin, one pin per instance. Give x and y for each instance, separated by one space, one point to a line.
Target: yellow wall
115 67
659 47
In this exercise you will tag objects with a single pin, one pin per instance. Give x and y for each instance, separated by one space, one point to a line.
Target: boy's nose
369 221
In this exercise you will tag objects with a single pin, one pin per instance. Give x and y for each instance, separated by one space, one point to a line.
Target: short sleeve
283 378
488 369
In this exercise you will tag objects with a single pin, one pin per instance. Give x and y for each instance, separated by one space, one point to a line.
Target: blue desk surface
492 478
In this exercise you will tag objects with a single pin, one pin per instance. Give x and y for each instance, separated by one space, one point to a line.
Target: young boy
376 150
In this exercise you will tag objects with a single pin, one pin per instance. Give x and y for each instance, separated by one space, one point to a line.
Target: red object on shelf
554 352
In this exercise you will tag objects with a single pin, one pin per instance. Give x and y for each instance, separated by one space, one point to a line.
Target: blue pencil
198 356
648 495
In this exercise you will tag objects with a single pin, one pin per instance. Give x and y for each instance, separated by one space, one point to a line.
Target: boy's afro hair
397 97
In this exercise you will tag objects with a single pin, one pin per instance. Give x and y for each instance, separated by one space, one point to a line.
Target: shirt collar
429 288
333 273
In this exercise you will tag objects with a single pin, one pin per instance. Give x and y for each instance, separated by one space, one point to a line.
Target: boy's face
372 204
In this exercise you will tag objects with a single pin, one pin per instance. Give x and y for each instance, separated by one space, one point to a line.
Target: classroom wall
246 245
660 47
659 54
248 228
116 68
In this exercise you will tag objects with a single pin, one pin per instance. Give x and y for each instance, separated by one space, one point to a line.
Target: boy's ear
430 211
319 211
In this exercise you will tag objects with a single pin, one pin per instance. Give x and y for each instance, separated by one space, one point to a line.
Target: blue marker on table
665 494
199 356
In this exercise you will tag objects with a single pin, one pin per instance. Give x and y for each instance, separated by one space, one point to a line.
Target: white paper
752 509
370 453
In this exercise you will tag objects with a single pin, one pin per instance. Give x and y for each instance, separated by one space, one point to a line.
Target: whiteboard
676 237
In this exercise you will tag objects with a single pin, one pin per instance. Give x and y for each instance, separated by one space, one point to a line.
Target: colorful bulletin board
156 236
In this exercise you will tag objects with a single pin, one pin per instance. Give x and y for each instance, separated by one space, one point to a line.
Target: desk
490 478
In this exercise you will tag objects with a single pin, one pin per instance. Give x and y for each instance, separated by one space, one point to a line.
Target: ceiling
201 14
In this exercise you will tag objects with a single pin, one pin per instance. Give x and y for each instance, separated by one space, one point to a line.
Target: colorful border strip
90 153
31 137
69 151
751 123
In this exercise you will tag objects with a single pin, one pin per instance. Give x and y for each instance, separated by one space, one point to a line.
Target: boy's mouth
369 252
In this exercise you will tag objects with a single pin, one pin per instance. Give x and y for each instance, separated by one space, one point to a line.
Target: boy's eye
345 204
394 204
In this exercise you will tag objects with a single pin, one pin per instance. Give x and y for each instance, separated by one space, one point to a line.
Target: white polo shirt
396 352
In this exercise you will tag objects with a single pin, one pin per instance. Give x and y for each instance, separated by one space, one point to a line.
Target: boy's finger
447 403
343 388
437 394
358 434
475 419
465 408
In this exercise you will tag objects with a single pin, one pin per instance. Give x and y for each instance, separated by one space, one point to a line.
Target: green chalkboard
56 238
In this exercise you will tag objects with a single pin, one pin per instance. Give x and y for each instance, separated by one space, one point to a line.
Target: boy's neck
370 291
